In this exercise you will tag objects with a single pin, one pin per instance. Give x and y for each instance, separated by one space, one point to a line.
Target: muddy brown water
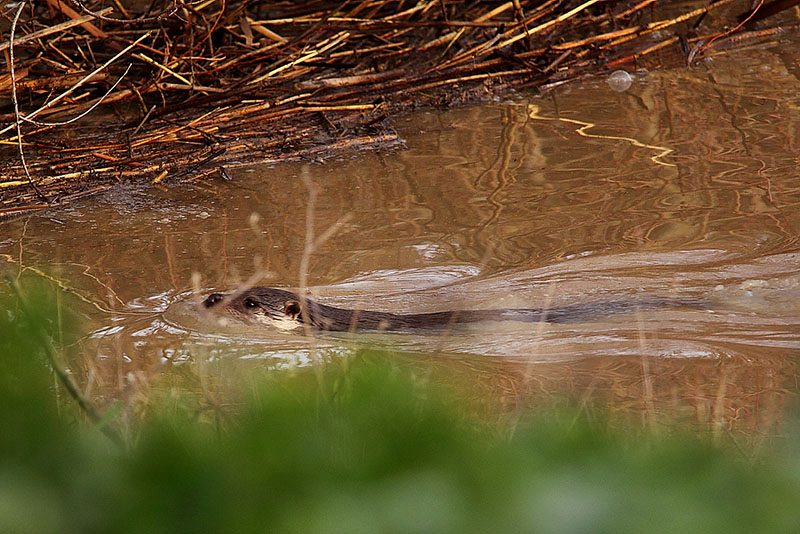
685 185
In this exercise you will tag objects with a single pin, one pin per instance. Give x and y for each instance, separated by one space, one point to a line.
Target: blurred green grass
364 446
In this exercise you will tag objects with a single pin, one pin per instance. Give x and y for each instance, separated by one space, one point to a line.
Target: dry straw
98 93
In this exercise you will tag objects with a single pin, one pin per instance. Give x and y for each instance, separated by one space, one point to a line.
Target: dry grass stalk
215 82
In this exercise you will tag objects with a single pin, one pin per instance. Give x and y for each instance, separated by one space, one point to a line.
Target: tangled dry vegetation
104 91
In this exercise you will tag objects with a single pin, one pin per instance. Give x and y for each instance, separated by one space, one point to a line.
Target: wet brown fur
283 310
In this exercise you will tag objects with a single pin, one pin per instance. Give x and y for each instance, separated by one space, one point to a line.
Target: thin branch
80 82
16 104
99 101
101 15
44 32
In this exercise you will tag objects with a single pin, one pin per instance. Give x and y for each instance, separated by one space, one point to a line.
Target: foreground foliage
365 447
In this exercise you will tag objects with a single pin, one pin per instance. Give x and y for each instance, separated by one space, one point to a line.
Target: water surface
683 186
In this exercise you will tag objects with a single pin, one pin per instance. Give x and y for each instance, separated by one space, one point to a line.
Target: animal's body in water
283 310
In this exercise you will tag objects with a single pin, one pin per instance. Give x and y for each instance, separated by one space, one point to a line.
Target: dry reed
98 93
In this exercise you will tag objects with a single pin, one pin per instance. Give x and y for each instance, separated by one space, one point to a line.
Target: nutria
283 310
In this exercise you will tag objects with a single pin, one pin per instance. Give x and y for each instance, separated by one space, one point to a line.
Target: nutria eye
250 303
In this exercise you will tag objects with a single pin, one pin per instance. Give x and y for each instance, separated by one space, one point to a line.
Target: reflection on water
683 186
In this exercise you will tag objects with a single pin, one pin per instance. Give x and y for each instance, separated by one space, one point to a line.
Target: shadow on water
684 186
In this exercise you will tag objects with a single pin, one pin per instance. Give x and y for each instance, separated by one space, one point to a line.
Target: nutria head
274 307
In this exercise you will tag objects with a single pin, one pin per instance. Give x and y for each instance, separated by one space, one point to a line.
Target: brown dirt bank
171 90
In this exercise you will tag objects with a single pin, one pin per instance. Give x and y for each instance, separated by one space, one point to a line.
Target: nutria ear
291 308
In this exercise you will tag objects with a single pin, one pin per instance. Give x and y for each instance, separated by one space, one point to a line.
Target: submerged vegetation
99 93
363 445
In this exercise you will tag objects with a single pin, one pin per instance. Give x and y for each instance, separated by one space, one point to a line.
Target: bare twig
93 106
100 15
83 80
16 104
44 32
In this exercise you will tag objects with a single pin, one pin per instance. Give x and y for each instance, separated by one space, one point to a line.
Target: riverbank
177 92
